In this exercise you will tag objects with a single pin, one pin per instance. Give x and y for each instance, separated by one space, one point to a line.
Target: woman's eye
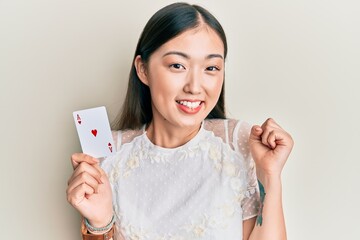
177 66
212 68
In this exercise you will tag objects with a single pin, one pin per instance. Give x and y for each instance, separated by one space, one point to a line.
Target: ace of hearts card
94 132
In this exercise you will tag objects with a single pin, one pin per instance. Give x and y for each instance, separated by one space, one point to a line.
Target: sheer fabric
201 190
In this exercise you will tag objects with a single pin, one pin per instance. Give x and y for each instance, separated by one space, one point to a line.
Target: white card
94 132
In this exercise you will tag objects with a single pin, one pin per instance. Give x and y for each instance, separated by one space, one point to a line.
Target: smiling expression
185 77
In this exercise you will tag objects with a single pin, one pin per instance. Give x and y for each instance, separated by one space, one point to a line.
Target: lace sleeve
251 200
121 137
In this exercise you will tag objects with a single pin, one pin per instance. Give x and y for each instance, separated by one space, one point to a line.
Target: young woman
182 170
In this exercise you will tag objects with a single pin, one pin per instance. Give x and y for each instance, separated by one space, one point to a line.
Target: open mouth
191 105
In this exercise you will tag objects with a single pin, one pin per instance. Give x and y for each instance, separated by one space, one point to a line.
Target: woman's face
185 77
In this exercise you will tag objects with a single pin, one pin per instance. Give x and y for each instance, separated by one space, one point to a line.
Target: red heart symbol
110 147
78 118
94 132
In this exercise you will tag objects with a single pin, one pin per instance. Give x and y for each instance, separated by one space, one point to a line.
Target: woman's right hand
89 190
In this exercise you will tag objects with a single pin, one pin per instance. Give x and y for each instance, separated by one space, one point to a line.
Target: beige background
296 61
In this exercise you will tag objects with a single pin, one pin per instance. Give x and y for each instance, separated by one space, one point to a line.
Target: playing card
94 132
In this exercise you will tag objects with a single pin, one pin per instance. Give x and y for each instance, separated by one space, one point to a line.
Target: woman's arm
273 223
270 147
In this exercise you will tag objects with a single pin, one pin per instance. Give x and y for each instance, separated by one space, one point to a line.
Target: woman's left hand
270 146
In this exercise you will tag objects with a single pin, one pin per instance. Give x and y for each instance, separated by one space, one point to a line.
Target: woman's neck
170 136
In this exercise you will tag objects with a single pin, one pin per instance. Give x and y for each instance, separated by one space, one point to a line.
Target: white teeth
191 105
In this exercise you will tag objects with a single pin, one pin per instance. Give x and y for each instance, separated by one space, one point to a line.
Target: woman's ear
141 70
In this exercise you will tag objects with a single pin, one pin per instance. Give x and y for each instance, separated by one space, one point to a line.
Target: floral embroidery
133 233
131 164
170 237
218 220
199 229
214 154
231 169
114 175
250 192
228 210
156 158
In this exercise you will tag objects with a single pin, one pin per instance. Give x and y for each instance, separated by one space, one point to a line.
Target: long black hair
164 25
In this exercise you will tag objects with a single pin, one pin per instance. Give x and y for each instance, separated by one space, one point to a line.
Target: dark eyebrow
177 53
184 55
214 56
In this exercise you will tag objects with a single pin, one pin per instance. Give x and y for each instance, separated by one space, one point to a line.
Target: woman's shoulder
229 125
233 132
229 130
121 137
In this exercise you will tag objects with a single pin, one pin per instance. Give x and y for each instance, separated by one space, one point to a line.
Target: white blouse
203 189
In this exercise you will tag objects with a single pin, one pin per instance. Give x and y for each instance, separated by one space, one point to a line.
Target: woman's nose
193 82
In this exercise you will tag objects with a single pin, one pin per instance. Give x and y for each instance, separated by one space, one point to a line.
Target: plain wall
295 61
